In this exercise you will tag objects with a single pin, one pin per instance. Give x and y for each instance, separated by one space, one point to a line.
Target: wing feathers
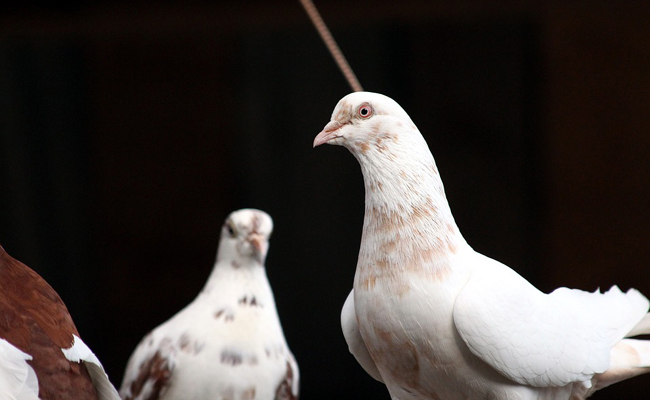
354 340
642 328
149 379
538 339
288 388
630 358
17 378
81 352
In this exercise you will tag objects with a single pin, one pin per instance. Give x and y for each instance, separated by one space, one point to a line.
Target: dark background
128 131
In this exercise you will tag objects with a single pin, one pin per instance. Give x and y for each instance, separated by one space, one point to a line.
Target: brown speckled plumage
284 389
155 372
228 343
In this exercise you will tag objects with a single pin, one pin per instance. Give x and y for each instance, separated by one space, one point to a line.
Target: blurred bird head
245 237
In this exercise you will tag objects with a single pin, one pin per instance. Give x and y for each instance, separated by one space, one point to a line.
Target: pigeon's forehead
252 220
344 110
381 104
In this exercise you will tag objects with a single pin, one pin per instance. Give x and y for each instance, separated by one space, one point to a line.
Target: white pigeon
228 343
433 319
41 354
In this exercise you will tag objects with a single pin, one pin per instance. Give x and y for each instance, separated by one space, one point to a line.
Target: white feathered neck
245 275
239 263
407 217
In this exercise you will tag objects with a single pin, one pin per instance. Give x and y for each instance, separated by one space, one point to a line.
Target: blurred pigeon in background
228 343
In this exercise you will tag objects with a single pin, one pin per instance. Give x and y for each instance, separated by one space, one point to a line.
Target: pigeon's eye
365 111
230 228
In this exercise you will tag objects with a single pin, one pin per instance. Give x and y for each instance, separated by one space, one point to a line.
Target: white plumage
18 380
80 352
228 343
433 319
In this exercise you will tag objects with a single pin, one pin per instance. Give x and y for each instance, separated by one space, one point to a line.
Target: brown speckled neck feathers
34 319
408 226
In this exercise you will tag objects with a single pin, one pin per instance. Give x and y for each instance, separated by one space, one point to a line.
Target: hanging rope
331 44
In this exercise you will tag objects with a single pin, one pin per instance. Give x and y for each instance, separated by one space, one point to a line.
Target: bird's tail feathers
641 328
629 358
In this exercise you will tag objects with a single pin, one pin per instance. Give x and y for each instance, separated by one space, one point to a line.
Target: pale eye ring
365 111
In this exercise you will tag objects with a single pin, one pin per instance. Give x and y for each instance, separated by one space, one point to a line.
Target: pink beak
257 242
328 133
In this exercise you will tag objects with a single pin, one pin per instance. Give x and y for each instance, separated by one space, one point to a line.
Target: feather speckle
433 319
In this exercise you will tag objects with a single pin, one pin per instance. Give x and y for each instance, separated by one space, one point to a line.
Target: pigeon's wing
80 352
17 378
538 339
289 385
353 337
149 369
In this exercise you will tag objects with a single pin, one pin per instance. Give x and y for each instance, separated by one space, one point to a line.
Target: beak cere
328 133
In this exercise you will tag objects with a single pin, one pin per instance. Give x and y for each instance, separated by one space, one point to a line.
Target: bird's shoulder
31 312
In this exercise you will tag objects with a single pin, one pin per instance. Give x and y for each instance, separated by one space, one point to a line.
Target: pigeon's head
245 236
369 123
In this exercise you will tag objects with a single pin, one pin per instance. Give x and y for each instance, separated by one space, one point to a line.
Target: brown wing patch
284 389
34 319
155 373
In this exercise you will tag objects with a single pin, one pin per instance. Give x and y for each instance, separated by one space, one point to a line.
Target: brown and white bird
228 343
41 354
433 319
